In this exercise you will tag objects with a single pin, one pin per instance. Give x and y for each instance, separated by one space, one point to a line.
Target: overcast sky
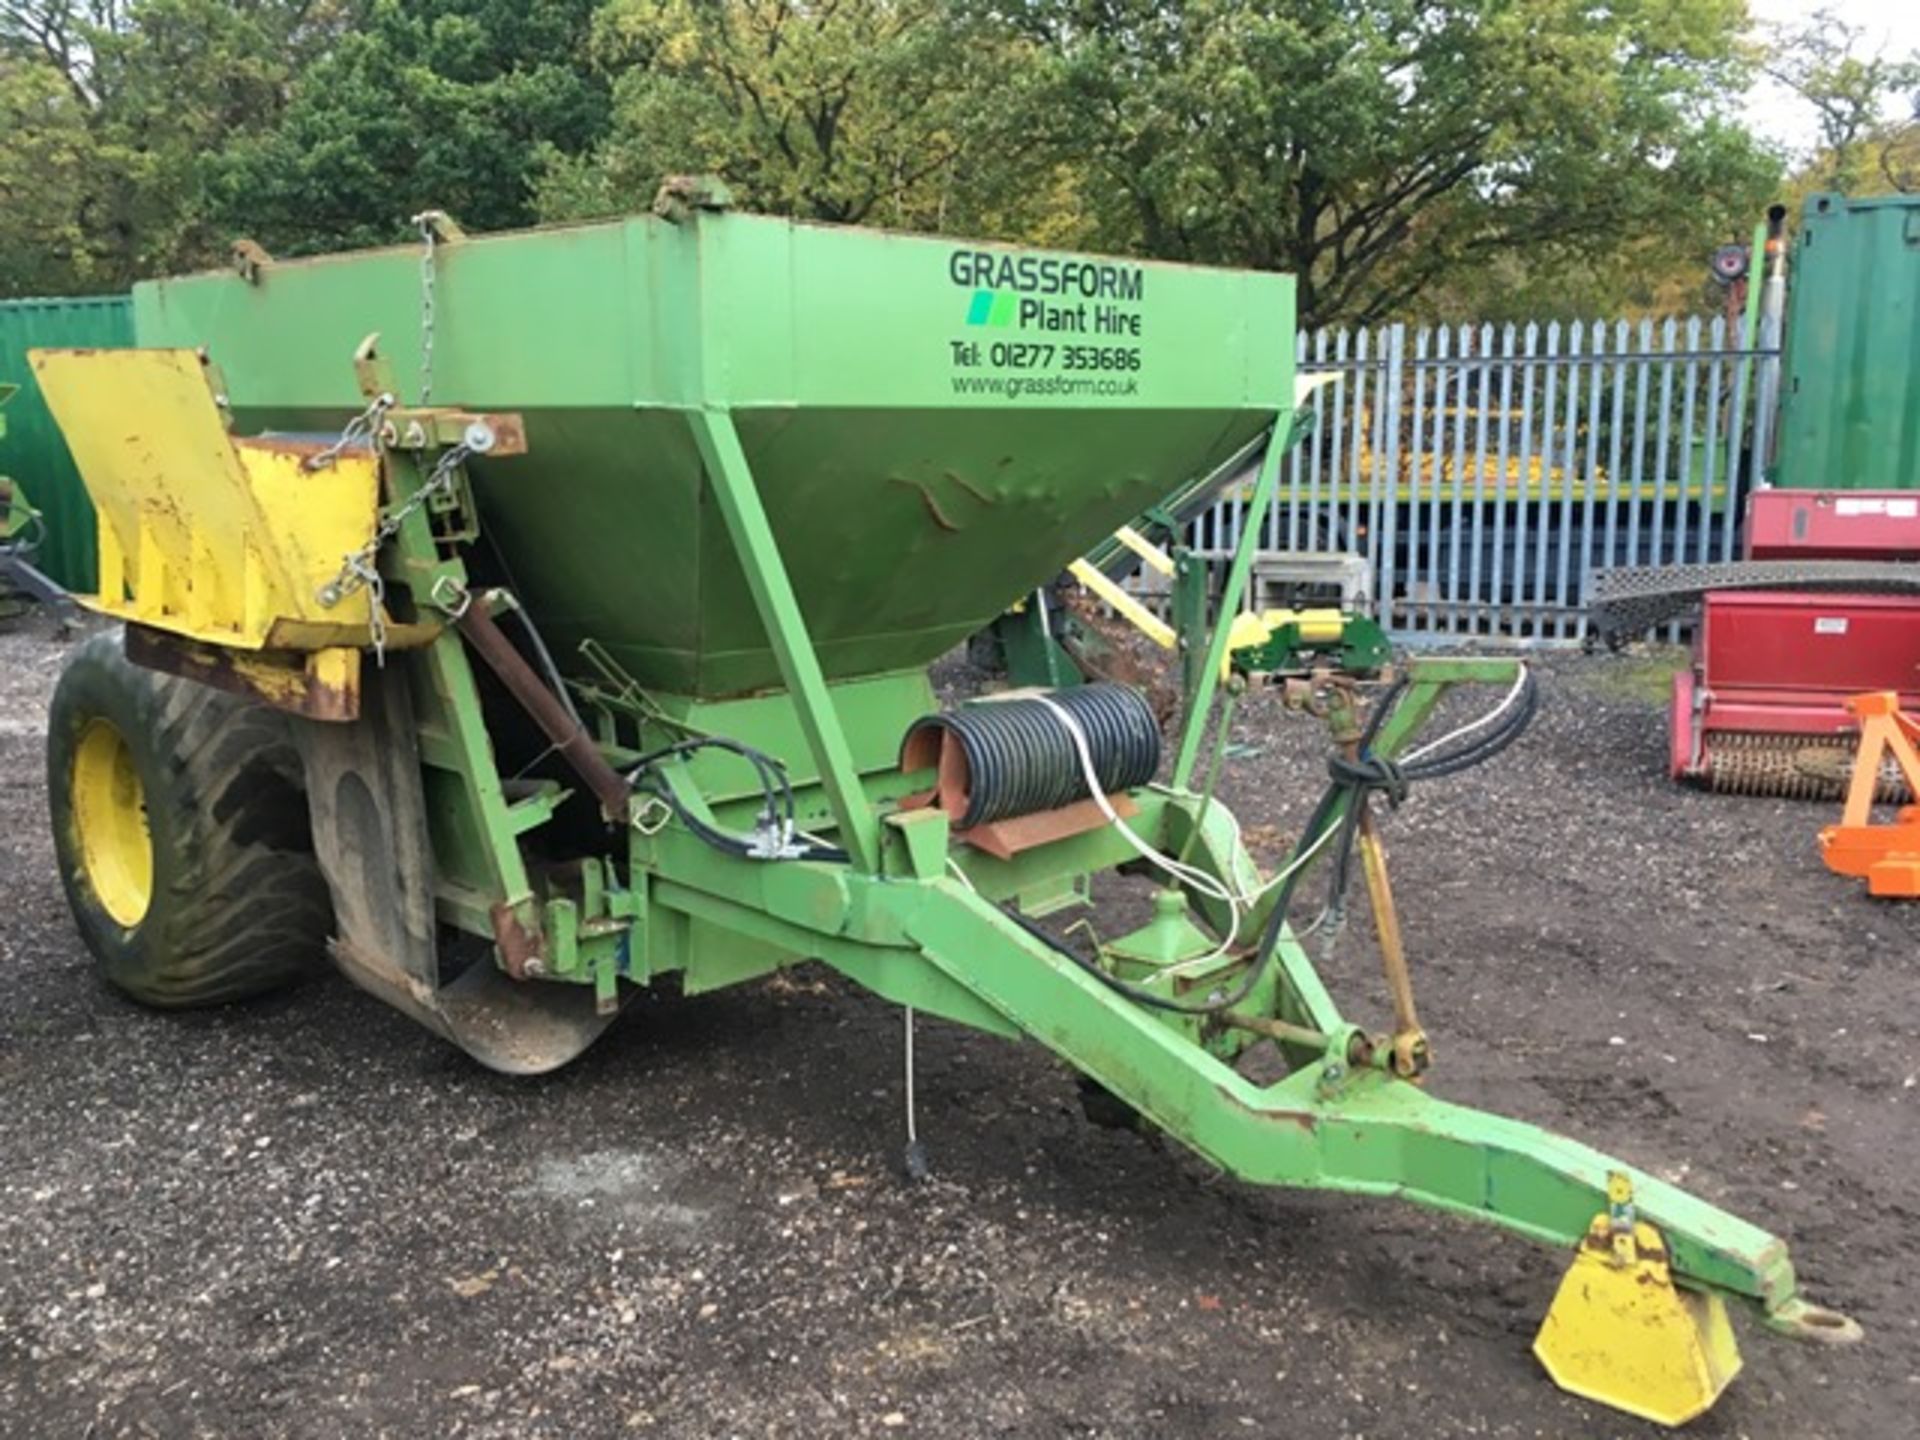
1777 112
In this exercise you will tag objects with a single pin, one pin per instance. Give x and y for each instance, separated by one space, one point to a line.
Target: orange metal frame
1886 855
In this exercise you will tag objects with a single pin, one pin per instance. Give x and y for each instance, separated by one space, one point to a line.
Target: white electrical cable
1189 875
1513 694
1199 879
1292 865
1235 899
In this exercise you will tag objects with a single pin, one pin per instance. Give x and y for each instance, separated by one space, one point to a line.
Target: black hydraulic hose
1366 772
776 799
31 537
736 845
774 784
545 656
544 707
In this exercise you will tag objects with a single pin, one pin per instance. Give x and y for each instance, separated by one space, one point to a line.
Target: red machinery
1763 710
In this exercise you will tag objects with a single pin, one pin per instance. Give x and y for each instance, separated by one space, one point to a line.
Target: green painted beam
1370 1134
941 947
772 590
1252 528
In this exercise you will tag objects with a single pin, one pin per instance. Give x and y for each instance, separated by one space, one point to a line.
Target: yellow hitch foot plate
1621 1333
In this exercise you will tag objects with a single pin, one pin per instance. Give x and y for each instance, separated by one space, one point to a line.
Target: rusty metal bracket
432 426
522 951
1409 1049
250 259
1411 1052
680 197
319 684
439 427
446 230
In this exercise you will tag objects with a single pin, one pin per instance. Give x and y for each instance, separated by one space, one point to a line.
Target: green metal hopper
925 452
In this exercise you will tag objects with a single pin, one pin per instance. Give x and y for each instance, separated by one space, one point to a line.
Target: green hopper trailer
571 637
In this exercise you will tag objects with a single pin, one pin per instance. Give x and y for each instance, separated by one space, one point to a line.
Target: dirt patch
310 1218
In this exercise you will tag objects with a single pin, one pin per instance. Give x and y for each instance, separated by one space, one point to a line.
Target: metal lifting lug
250 260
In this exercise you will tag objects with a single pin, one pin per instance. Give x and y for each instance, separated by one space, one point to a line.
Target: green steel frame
785 493
920 922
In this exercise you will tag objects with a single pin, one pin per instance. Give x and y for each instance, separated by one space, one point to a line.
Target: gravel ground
308 1218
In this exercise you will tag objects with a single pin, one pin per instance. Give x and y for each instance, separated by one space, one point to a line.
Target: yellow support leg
1621 1333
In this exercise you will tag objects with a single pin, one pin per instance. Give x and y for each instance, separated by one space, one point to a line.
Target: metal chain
652 817
429 237
361 570
364 426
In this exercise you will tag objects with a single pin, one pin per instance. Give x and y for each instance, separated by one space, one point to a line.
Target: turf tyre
236 905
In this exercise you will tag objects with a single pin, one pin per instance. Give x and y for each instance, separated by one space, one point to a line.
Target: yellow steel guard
220 540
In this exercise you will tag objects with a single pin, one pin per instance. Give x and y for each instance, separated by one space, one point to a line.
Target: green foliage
863 111
1378 148
44 169
110 112
1651 267
433 104
1457 158
1857 96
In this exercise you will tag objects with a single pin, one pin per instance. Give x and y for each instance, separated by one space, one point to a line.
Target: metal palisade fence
1483 471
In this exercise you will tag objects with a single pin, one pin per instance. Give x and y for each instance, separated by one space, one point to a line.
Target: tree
443 104
111 110
1379 148
857 111
1897 156
1460 157
1866 100
44 177
59 34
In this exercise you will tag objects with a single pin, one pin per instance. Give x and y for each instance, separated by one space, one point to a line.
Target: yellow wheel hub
110 821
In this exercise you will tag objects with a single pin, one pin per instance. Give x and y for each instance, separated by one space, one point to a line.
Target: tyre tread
236 916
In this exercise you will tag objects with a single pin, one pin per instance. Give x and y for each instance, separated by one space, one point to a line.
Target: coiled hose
1021 760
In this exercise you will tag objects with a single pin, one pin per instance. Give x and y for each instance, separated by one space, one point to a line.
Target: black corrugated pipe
1020 760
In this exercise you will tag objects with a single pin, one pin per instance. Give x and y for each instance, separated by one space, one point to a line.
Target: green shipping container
32 451
1850 394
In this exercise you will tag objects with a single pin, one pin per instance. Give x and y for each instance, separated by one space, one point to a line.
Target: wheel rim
110 822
